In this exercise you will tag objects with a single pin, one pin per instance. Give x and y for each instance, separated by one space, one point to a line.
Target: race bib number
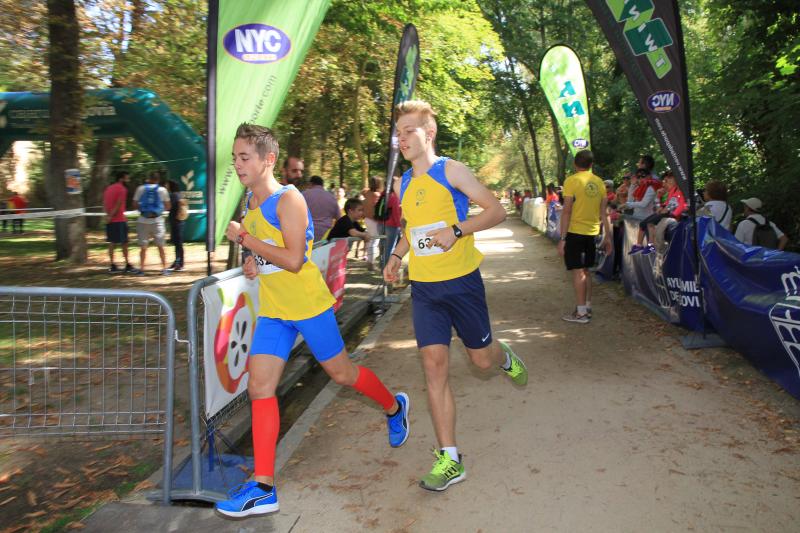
420 241
264 266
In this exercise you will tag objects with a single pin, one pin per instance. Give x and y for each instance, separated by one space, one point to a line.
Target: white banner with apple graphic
231 311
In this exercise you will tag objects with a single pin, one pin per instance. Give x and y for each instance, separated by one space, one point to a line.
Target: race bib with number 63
420 241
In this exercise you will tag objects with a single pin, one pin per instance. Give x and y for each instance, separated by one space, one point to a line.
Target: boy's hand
443 238
391 269
249 268
232 232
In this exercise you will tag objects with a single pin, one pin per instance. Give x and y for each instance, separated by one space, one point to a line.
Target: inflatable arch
137 113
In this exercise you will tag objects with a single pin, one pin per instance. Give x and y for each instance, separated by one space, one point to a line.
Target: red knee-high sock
370 386
266 423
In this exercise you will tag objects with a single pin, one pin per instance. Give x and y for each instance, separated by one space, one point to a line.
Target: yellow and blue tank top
283 294
430 202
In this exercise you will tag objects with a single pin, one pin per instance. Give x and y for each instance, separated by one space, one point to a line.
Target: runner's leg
436 364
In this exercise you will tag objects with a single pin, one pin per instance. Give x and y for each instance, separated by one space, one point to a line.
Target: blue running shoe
248 499
398 424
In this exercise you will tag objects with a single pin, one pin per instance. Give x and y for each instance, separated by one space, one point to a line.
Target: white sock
452 451
507 364
581 309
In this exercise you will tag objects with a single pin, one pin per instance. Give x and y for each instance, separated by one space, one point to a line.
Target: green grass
74 516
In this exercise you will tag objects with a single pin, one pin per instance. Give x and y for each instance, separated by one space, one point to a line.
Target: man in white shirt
746 230
151 200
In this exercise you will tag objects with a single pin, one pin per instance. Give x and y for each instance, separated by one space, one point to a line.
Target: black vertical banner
405 80
648 41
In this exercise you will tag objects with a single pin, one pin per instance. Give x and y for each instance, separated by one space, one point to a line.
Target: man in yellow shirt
584 210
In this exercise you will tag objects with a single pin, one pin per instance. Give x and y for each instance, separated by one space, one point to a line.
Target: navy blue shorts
274 336
117 232
459 303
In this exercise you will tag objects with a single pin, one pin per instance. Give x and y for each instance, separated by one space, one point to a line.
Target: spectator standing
292 172
611 196
115 198
151 199
583 214
393 223
716 204
552 195
756 230
371 197
323 206
17 204
178 213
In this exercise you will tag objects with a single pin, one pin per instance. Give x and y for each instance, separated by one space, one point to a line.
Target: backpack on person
764 234
183 210
382 209
150 204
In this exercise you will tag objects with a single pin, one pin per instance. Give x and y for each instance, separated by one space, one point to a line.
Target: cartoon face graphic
420 197
233 339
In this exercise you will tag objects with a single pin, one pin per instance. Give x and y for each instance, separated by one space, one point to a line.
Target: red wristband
240 238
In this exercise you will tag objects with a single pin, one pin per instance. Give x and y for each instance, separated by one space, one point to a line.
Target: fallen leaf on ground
31 497
76 525
37 514
144 485
7 500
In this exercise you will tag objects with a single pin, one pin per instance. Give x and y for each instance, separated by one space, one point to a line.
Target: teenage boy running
446 286
293 298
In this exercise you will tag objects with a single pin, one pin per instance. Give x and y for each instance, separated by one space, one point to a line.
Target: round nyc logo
257 43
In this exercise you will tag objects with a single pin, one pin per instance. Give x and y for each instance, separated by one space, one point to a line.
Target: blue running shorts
460 303
274 336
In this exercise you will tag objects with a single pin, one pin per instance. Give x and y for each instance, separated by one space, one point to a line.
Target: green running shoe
518 372
445 472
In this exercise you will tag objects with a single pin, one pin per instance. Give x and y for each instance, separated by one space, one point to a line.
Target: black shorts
117 232
653 219
579 251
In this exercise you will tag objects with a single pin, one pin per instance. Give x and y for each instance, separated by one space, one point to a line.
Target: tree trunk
297 127
523 102
528 169
99 179
66 100
104 149
356 128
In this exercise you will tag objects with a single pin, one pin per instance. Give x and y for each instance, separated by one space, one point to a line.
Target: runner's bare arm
465 181
400 250
462 178
293 215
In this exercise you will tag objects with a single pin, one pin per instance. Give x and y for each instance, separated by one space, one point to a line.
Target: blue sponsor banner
753 301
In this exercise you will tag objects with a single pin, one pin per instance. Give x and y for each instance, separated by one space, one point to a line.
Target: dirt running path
619 428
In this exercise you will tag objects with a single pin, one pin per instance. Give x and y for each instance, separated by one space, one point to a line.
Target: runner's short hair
261 137
316 180
424 109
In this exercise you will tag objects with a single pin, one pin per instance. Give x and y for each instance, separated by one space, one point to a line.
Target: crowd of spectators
657 203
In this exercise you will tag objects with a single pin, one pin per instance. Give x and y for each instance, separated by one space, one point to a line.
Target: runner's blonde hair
426 112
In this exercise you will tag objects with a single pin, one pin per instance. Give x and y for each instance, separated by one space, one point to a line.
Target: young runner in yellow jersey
446 287
293 298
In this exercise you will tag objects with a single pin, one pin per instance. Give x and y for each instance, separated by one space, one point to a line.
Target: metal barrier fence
87 362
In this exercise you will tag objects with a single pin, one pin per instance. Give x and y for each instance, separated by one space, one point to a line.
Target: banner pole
690 165
211 130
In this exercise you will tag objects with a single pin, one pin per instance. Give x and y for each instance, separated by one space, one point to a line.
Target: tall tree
66 101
